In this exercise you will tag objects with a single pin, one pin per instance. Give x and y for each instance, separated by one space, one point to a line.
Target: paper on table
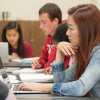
27 71
25 60
17 60
29 60
13 79
36 78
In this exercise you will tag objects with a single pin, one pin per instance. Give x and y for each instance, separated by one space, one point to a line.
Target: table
50 97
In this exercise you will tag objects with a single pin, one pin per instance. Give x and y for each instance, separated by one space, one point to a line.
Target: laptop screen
4 52
4 73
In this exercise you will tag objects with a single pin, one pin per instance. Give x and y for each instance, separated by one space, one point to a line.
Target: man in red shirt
58 36
50 17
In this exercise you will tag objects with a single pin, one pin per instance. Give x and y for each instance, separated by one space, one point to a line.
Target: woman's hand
36 87
65 48
28 86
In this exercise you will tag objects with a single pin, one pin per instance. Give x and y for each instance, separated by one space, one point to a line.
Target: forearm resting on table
10 57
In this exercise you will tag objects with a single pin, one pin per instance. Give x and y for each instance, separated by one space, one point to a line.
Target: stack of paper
27 71
36 78
25 60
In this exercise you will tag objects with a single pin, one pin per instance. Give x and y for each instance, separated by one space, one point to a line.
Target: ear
56 21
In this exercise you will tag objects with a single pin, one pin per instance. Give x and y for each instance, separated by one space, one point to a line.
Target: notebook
14 87
4 52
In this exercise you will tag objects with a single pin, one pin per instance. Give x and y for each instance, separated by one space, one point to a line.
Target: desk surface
50 97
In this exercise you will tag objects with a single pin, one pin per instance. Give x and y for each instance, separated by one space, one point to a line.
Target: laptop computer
11 66
14 87
25 62
4 56
4 52
17 64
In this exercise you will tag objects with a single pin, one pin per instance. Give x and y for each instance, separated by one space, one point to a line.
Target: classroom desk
50 97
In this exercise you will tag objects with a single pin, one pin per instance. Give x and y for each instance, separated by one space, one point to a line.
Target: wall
98 3
28 9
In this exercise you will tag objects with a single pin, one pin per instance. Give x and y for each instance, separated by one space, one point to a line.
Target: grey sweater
3 91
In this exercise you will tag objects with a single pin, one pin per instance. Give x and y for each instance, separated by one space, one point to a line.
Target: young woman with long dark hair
18 48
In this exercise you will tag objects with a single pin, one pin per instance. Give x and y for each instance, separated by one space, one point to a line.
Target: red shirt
52 57
28 52
48 54
46 49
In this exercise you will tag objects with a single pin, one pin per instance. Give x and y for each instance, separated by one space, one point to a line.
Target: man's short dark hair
53 11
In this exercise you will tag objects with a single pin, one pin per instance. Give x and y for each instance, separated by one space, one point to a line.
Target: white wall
98 3
28 9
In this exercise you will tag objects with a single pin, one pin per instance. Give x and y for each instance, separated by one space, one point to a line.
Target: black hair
14 25
60 33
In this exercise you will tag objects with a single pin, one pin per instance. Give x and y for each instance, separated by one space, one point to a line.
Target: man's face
46 25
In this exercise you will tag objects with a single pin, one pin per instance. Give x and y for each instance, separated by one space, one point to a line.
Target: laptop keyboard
16 87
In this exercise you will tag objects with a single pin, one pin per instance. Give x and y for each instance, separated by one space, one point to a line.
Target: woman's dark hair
87 19
52 10
14 25
60 33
